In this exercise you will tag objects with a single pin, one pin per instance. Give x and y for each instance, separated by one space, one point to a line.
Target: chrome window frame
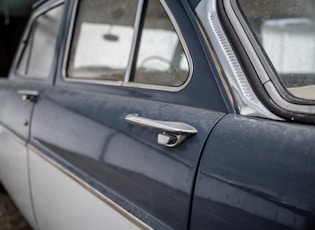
231 72
126 82
26 36
259 62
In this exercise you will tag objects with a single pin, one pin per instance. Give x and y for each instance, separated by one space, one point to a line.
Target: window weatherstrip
187 55
134 41
130 62
240 27
246 101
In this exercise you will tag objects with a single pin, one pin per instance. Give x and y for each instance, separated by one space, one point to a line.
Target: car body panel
121 160
71 159
17 100
81 126
15 119
70 201
14 172
256 174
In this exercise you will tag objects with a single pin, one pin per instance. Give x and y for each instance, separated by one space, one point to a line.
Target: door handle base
174 133
28 95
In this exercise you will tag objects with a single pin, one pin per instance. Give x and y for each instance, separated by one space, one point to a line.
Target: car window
39 50
105 44
102 39
161 58
286 31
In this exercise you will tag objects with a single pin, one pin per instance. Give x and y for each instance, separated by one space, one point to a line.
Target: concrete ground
10 217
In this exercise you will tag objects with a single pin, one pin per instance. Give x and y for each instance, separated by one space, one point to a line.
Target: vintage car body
228 147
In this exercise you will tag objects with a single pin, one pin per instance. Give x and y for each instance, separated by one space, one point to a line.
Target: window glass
161 58
37 56
286 31
102 39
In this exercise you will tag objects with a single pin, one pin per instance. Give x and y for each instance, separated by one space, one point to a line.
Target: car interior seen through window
287 34
38 53
161 59
102 39
105 44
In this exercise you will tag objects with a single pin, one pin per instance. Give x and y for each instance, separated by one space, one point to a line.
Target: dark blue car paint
125 160
253 173
256 174
204 84
15 114
83 106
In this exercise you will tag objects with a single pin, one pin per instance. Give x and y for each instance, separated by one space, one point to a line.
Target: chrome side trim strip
92 190
86 186
247 102
125 83
12 135
240 27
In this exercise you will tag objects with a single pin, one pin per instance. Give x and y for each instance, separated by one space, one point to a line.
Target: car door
15 115
116 142
30 73
257 173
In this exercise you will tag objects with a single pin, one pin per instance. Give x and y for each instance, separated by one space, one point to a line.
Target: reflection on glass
101 54
102 39
38 54
286 30
161 59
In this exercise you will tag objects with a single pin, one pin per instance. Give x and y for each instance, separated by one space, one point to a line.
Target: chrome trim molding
241 27
243 37
28 95
126 83
4 129
247 102
75 178
174 133
168 126
92 190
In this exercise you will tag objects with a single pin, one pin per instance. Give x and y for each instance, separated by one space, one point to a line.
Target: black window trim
262 66
14 74
126 82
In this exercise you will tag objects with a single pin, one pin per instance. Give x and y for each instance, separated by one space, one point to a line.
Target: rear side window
286 32
161 58
126 41
102 39
39 48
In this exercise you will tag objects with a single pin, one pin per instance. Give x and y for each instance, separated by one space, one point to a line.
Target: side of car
126 119
79 126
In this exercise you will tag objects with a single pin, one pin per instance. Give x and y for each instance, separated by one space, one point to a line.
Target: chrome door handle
28 95
173 133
